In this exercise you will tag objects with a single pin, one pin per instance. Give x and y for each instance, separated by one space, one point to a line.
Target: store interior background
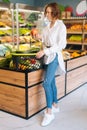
73 108
42 3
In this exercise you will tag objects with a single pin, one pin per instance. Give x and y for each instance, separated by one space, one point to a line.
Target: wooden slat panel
35 77
71 64
12 99
76 78
36 99
60 81
12 77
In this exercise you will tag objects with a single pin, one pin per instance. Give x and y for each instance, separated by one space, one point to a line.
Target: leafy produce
4 49
61 7
5 62
20 17
33 17
24 31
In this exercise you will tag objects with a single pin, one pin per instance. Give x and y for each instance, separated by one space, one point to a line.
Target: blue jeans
49 83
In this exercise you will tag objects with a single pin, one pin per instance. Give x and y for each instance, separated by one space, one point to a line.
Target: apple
34 31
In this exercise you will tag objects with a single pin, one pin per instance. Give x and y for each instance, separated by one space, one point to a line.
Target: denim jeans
49 83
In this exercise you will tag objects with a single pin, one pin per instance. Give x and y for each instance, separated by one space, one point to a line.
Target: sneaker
47 119
55 110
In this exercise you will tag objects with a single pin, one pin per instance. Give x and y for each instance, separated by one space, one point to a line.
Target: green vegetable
5 62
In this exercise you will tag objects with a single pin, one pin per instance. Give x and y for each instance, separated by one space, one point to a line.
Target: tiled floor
72 116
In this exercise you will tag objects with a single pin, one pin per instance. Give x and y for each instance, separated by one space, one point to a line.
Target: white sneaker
55 110
47 119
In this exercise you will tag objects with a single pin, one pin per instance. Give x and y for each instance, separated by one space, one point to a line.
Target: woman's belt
48 46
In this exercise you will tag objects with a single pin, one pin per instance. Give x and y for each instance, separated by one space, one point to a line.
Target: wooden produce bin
22 94
15 91
76 73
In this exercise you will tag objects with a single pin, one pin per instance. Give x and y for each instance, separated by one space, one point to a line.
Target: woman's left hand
40 54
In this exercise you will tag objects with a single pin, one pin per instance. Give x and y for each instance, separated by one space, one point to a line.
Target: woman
54 40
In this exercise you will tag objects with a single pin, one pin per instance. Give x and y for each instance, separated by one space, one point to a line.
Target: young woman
54 40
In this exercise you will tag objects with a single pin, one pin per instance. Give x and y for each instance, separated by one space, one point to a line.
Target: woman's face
48 14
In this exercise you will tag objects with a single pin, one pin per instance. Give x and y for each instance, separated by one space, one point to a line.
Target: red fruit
34 32
33 61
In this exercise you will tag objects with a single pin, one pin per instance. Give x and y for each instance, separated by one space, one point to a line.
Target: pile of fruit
77 54
28 63
76 38
72 54
75 27
26 60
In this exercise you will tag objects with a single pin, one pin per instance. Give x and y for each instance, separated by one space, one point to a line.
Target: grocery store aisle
72 116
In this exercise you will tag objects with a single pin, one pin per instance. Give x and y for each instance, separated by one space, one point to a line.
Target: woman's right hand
40 54
38 37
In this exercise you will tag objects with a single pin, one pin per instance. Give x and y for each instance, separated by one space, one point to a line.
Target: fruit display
77 32
77 38
28 63
23 59
6 26
2 24
73 54
76 27
86 40
22 47
85 27
4 49
4 62
25 62
5 55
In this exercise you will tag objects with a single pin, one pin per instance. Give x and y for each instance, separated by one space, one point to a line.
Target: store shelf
76 29
74 42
